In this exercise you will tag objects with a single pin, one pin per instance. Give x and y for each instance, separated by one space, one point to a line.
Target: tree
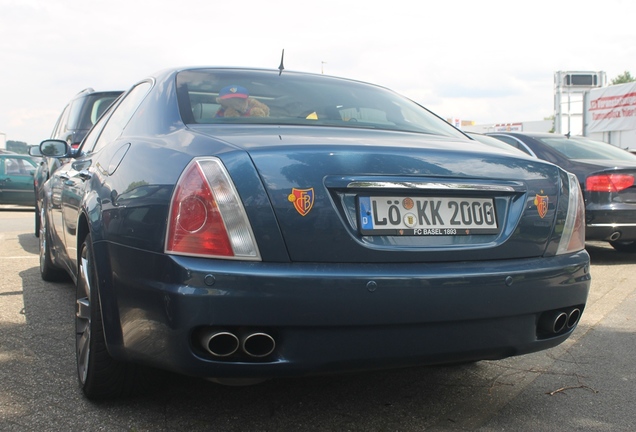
17 146
623 78
550 118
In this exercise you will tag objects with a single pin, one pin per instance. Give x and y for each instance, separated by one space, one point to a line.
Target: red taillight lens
609 182
207 217
196 226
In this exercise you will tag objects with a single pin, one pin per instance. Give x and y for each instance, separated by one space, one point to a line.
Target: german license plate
426 216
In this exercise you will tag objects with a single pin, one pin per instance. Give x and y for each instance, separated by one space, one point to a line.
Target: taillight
207 217
573 235
608 182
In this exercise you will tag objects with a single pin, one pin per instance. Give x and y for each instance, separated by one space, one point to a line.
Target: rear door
74 176
16 181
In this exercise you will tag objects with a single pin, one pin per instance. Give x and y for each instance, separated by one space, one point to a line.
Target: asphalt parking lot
587 383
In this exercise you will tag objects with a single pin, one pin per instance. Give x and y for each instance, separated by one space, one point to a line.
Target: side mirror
55 148
35 151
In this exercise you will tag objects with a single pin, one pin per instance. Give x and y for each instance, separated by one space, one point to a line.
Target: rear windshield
584 148
226 96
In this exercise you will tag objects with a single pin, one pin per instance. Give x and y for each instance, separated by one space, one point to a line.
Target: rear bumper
327 318
611 225
611 232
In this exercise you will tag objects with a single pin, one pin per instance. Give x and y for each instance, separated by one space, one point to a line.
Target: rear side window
74 119
60 126
98 107
85 111
120 116
17 167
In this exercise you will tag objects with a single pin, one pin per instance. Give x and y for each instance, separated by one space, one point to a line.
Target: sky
485 61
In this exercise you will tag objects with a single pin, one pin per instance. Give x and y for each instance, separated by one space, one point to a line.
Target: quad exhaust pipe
224 343
555 322
220 344
573 317
258 344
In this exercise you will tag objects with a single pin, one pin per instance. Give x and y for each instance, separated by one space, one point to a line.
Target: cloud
487 61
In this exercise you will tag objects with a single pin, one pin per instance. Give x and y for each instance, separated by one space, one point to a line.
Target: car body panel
492 141
301 162
16 179
76 119
334 299
332 317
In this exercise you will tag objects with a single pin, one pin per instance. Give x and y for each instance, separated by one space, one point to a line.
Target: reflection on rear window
226 96
583 148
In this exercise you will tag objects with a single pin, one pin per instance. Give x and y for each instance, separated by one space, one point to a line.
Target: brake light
609 182
206 216
573 235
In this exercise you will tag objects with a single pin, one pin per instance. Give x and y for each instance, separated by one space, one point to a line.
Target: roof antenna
567 135
281 67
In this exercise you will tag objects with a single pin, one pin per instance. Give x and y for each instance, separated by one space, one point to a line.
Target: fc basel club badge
303 200
541 201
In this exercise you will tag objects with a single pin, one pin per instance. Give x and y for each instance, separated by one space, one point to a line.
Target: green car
16 179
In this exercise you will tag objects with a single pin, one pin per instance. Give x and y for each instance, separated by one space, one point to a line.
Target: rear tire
48 270
624 246
37 219
100 376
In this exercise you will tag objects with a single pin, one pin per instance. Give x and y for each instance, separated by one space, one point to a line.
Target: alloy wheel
42 241
83 316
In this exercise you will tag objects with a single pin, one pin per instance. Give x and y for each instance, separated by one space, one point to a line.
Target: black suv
79 115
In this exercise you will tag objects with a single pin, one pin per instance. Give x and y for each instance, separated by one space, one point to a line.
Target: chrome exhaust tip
553 322
573 317
615 236
258 344
220 344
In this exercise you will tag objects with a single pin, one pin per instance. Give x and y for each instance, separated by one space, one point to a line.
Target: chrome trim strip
613 225
430 186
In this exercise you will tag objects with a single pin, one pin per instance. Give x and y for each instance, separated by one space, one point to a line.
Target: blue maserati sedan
244 224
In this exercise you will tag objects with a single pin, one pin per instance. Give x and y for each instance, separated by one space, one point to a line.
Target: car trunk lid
388 197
